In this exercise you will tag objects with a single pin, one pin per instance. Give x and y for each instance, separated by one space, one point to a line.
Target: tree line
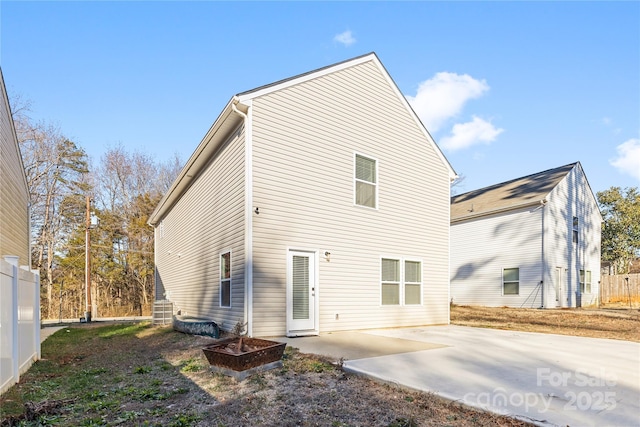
124 188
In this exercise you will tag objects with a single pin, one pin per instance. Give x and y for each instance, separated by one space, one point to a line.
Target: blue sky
506 88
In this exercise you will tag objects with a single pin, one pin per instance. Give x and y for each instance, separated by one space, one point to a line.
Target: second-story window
366 181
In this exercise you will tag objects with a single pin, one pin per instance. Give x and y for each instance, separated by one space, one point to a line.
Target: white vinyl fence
19 321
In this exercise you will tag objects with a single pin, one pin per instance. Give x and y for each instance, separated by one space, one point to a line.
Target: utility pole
87 263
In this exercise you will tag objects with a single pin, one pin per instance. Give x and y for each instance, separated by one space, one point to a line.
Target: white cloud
628 160
345 38
464 135
443 96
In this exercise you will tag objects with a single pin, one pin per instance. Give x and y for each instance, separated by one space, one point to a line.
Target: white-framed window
390 281
574 227
585 281
511 281
400 281
225 279
365 176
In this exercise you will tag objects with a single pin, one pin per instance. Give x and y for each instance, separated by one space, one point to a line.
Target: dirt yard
614 322
139 375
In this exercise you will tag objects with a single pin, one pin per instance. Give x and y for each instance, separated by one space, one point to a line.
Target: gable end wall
573 197
304 139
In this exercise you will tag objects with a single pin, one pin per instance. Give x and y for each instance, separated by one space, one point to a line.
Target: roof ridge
297 76
501 184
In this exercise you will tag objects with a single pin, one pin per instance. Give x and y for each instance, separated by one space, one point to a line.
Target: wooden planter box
255 353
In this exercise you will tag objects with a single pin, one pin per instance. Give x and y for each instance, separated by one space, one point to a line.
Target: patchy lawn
139 375
133 374
615 323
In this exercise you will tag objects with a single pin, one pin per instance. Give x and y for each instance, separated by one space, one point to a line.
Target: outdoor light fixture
257 211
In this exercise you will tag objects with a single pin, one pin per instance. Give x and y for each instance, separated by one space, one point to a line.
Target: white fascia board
306 77
194 165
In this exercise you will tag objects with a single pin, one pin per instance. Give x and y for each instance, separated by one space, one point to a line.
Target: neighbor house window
225 279
575 229
585 282
366 181
390 281
511 281
401 282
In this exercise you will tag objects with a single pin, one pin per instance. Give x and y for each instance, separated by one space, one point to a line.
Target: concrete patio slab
543 378
356 345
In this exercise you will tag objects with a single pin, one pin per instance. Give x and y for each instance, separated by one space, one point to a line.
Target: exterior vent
162 312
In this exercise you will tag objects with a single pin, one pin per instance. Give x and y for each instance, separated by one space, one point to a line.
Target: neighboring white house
531 242
300 211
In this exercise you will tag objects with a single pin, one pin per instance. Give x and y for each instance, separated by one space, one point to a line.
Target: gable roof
369 57
235 111
518 193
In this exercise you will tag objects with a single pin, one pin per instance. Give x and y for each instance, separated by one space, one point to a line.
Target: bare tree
456 183
130 186
126 188
56 169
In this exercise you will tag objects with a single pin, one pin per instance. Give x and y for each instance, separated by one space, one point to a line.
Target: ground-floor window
585 282
225 279
401 281
511 281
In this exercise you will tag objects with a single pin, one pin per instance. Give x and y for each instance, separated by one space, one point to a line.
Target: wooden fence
620 288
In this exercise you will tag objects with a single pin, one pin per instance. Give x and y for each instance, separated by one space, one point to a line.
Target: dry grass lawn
139 375
615 322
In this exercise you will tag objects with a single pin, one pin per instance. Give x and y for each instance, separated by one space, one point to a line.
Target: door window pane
300 287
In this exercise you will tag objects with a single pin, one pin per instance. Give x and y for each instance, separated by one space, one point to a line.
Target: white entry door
301 293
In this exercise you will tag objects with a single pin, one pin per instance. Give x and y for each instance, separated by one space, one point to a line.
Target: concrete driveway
546 379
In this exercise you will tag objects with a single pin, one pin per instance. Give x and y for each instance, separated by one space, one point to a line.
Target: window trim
376 184
510 281
585 285
402 293
399 282
404 281
222 279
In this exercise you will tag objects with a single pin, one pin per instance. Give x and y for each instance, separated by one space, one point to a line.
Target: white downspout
248 214
543 286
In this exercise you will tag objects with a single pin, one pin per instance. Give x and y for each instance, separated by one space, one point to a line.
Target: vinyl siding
573 197
206 221
304 140
14 194
481 248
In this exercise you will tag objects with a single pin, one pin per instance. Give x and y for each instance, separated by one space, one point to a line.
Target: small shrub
191 365
184 420
142 370
403 422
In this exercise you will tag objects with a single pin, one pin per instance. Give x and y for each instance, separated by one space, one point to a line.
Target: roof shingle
508 195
